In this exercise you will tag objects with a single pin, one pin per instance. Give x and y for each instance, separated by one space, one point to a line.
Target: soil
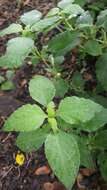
13 177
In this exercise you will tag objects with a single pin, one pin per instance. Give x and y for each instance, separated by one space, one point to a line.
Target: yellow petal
20 159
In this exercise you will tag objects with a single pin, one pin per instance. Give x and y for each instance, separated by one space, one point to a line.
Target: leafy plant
76 28
6 81
81 37
38 126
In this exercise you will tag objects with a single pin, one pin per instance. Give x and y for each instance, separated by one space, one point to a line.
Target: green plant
59 128
76 28
6 82
70 20
81 36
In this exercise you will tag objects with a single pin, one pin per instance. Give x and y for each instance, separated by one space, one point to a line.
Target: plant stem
40 56
53 124
68 24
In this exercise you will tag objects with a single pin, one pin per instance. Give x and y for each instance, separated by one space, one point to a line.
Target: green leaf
61 86
27 118
63 156
64 42
99 99
31 17
98 121
17 50
8 85
77 81
76 110
45 24
101 70
59 60
96 6
51 110
35 60
29 141
13 28
92 47
100 140
85 154
53 12
63 125
84 20
41 89
99 88
62 4
81 2
73 9
102 161
58 63
102 19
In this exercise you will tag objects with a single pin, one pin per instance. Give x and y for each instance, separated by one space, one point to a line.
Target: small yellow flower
20 159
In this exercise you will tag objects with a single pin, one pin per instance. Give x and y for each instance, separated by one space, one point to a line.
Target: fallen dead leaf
48 186
44 170
23 82
53 186
2 21
58 186
79 180
88 76
26 2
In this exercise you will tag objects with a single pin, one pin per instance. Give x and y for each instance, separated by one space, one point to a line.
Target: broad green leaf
102 161
73 10
102 19
63 125
100 140
17 50
99 99
35 60
98 121
81 2
58 60
77 81
99 88
84 20
53 12
28 141
93 47
85 154
45 23
63 156
62 4
27 118
8 85
64 42
31 17
101 70
42 89
61 86
76 110
96 6
13 28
